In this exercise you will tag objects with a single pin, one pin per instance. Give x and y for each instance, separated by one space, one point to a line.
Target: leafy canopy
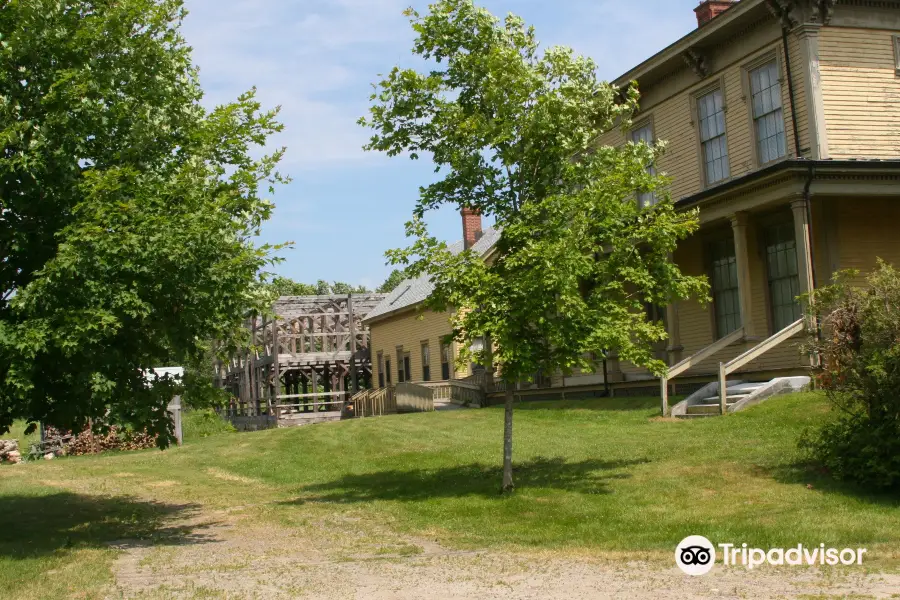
859 348
393 280
512 130
285 286
127 210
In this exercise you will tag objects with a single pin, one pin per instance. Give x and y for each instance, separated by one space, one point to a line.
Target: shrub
197 424
859 350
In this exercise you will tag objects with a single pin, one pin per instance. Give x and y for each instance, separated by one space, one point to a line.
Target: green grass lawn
598 476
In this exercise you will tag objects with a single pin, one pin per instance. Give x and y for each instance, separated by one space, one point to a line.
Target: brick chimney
710 9
472 231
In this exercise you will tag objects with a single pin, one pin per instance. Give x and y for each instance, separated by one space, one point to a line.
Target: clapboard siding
862 239
860 92
409 330
672 113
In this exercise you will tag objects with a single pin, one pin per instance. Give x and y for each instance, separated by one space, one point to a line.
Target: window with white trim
645 134
784 281
711 112
724 283
768 116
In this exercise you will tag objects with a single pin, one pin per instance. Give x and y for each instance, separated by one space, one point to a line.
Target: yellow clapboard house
782 123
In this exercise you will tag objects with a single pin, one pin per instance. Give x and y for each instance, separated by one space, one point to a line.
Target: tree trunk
507 439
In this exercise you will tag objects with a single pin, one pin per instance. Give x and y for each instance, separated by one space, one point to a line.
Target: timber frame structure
303 364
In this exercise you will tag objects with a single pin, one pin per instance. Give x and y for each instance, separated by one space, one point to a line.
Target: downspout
790 82
807 197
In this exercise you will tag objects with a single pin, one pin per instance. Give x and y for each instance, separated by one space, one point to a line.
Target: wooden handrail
764 346
698 357
753 353
694 359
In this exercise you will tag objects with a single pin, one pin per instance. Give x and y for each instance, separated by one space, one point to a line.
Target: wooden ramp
296 419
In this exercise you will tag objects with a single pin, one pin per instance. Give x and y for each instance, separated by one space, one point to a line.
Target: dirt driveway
235 554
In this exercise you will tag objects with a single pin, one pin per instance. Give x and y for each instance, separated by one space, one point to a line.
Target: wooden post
803 246
276 367
674 349
175 410
664 395
315 389
739 224
352 325
723 389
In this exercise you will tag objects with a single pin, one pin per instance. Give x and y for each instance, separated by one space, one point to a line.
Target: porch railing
693 360
753 353
412 397
314 402
375 403
457 391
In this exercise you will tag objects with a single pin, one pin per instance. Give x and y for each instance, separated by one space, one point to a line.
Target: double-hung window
645 134
403 373
768 116
387 370
784 281
724 280
381 370
445 362
711 112
426 363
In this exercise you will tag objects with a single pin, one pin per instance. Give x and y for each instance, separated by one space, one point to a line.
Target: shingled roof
413 291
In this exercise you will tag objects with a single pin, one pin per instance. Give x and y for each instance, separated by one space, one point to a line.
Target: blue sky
317 59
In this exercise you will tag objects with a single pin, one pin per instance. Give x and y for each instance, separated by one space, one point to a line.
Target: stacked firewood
9 451
88 442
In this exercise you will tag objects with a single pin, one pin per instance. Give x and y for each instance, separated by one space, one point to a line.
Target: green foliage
513 131
285 286
127 211
394 279
196 424
860 370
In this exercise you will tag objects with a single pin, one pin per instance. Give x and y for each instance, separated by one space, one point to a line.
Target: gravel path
235 556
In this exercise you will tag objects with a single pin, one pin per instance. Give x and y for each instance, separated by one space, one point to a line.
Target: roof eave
723 20
792 164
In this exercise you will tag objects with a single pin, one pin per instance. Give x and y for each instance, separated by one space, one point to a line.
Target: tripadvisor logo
696 555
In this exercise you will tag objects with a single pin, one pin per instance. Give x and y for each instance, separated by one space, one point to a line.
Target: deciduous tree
127 210
513 132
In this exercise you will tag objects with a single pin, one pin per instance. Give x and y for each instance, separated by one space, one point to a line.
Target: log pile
9 451
87 442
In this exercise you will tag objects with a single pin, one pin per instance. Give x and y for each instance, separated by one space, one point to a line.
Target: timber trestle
303 364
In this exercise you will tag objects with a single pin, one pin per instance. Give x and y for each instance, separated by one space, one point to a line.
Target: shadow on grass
636 403
586 477
37 525
809 474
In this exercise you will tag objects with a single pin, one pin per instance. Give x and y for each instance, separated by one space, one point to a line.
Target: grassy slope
600 475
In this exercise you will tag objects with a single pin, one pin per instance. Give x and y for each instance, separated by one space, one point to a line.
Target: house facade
407 340
782 123
781 118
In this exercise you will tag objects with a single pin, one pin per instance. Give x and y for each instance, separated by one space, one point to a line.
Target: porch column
742 259
802 241
674 349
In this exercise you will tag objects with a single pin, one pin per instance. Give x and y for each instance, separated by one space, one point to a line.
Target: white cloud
313 58
317 58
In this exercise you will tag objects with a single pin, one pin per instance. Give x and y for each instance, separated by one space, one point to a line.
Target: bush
196 424
859 348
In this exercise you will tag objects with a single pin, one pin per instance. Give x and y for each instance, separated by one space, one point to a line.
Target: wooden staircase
707 402
709 406
730 396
